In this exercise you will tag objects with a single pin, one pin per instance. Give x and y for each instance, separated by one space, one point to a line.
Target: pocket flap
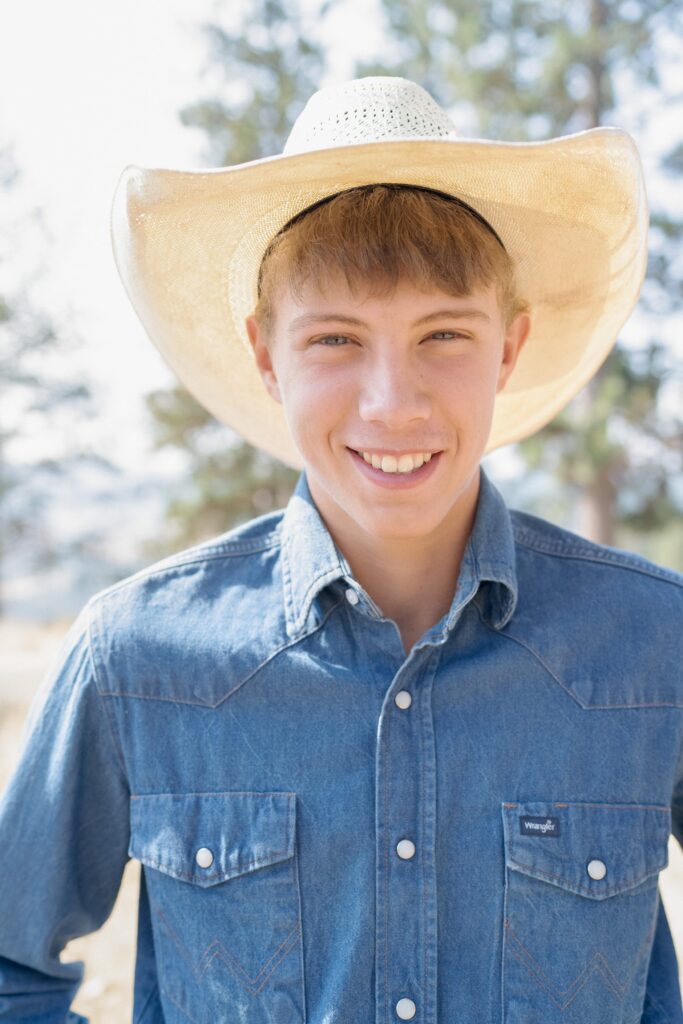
593 849
236 832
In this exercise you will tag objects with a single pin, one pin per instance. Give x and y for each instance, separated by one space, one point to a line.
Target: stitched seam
579 982
205 704
145 1006
226 875
222 953
178 1006
113 727
661 1009
208 555
232 792
531 869
227 958
279 650
533 653
620 561
273 856
581 803
325 577
567 690
585 803
387 746
422 797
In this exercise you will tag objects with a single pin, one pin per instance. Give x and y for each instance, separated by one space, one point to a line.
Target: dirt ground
106 995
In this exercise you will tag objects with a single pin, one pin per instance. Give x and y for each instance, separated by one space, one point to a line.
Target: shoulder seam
596 554
116 739
210 554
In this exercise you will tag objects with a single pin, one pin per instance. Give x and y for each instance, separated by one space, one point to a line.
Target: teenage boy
395 752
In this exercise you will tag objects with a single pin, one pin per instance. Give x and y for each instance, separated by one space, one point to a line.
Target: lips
394 479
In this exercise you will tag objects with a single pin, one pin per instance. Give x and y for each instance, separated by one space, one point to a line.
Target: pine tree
34 390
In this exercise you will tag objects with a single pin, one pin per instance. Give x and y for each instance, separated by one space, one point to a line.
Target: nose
393 392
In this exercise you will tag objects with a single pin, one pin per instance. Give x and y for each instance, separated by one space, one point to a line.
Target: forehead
336 294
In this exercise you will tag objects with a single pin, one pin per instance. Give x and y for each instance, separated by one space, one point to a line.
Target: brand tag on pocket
530 826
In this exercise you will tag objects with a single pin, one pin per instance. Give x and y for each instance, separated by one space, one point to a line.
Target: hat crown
371 109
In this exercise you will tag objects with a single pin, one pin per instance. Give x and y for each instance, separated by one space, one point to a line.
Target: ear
263 357
515 336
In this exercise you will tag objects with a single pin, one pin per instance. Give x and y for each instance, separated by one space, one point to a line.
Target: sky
84 90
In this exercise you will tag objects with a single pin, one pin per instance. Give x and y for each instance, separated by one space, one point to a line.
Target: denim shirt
333 831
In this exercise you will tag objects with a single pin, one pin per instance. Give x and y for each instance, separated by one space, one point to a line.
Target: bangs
378 235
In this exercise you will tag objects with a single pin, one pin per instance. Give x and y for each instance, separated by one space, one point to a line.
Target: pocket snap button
405 849
204 857
406 1009
596 869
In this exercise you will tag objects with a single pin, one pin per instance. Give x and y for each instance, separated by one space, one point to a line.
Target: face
389 400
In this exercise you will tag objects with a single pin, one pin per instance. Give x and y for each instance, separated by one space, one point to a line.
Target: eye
451 334
335 340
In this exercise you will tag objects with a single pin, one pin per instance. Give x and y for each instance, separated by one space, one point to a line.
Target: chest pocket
580 911
221 871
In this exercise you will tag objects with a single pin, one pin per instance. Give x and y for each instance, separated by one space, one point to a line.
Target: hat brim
571 211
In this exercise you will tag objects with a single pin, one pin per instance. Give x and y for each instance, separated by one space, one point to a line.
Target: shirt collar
490 555
311 560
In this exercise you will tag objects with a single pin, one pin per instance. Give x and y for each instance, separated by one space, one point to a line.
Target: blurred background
106 463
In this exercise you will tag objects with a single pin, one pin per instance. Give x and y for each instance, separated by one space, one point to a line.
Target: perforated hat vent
367 110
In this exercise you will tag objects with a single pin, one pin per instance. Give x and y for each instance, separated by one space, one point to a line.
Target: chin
397 527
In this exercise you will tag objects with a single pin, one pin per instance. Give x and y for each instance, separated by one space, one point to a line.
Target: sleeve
663 991
64 833
677 802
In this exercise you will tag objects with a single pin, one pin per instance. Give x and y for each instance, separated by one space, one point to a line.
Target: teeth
402 464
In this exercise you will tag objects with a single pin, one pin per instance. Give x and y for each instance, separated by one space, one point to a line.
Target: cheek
464 384
316 400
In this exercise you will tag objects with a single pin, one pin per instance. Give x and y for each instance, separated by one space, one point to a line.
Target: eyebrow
341 318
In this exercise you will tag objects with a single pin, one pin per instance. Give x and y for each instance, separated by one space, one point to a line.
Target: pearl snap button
596 869
352 597
403 699
405 1009
204 857
405 849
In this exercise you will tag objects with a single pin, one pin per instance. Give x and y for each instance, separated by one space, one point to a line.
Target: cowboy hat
571 211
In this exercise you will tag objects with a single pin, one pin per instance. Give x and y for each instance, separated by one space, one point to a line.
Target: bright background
86 89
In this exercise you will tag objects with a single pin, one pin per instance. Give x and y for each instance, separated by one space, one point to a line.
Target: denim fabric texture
334 831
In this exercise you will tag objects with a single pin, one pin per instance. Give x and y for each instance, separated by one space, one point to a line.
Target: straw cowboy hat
571 211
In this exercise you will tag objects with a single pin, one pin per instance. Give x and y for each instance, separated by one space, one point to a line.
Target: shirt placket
406 905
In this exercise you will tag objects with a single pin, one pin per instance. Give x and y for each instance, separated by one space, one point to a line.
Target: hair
377 235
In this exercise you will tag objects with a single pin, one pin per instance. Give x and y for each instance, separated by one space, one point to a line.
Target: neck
411 580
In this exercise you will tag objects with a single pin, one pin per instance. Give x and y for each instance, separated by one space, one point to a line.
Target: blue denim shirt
334 832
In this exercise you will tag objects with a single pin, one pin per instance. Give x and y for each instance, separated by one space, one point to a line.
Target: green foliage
268 67
36 396
228 481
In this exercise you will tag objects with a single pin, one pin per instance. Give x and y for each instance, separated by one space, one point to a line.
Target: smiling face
382 378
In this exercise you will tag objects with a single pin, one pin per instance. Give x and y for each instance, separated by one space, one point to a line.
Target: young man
395 752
